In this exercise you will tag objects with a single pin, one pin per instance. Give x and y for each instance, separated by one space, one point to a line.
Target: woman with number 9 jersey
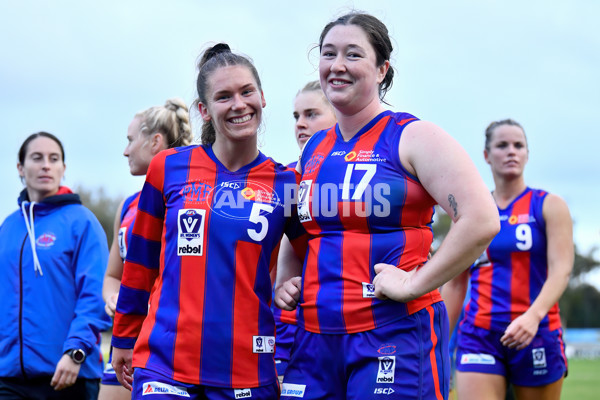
511 332
208 226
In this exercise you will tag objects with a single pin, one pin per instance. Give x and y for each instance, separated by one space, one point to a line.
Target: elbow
490 226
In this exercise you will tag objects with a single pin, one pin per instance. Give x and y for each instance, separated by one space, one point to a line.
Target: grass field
583 382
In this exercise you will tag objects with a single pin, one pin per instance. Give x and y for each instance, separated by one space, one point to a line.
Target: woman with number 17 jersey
371 320
207 231
511 331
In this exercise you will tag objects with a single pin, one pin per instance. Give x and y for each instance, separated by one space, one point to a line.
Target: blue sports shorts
147 382
406 359
541 363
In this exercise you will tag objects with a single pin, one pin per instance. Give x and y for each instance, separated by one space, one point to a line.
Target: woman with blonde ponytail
151 131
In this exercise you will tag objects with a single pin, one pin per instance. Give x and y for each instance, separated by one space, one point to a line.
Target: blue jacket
54 303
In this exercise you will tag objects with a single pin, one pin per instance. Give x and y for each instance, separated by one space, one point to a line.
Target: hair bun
217 49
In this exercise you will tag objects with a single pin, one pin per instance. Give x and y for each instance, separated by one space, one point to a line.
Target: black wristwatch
77 355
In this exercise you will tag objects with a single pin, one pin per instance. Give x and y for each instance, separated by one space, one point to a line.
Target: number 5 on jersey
260 232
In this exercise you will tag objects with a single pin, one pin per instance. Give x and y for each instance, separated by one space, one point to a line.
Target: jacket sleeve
89 263
142 263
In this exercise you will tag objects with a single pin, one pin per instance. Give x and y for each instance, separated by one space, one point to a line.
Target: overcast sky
81 70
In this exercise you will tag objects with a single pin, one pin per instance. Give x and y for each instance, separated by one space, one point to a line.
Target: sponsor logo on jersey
520 219
122 242
303 200
387 366
350 156
242 393
232 185
292 390
368 290
190 232
195 192
387 390
387 349
248 193
472 358
234 199
338 153
163 388
313 163
539 357
45 240
365 156
263 344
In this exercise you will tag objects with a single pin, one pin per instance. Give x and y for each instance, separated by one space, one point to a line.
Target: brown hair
489 131
23 148
218 56
378 36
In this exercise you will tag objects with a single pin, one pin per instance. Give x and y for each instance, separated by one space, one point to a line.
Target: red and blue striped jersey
508 277
203 243
360 207
128 213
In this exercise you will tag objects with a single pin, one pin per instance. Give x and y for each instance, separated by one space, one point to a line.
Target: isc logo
383 391
232 185
190 232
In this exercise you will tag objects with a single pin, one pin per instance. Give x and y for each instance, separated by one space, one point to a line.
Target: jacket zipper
21 309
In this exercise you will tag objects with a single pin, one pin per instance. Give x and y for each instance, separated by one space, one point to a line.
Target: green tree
102 205
579 303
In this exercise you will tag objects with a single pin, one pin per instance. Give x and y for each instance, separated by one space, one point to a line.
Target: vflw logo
387 366
263 344
539 357
368 290
190 229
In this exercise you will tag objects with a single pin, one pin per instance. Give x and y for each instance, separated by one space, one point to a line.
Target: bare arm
560 250
450 177
288 282
453 293
114 270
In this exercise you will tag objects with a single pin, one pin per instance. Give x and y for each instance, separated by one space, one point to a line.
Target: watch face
78 356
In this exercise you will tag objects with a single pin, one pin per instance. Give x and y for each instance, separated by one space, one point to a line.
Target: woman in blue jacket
53 253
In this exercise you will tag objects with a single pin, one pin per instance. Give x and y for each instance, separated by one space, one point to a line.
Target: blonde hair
172 120
315 86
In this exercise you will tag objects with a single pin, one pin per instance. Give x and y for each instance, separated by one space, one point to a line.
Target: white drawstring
31 232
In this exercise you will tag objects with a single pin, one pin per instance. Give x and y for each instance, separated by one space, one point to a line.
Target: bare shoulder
555 208
422 139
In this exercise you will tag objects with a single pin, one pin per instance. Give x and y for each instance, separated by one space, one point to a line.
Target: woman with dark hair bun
53 254
371 320
193 314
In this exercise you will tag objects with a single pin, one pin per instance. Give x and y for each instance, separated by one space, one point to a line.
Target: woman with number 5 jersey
207 231
371 319
511 332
